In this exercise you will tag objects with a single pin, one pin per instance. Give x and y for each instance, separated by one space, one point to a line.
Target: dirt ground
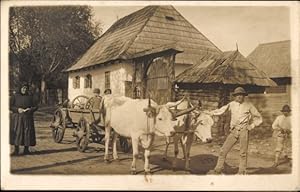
63 158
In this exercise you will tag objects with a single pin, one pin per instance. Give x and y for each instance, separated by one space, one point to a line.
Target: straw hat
96 90
286 108
239 91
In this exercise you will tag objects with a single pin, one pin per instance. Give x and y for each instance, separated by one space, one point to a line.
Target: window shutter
74 82
107 80
85 82
90 81
77 82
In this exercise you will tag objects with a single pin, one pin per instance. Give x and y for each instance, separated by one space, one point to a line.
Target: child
282 129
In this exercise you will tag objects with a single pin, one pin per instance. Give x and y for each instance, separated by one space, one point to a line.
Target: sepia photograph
161 95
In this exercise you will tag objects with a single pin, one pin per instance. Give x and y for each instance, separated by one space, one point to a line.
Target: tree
47 40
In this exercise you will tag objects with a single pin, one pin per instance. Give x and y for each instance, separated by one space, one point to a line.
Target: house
222 75
140 55
212 82
274 59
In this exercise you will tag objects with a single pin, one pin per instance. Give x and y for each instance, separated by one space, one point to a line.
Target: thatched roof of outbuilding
230 68
146 29
273 58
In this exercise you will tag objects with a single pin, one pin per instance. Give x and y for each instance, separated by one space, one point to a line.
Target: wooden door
158 82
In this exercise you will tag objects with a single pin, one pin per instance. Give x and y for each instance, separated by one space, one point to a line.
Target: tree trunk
43 91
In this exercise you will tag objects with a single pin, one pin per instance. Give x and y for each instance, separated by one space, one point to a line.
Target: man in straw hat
96 100
282 129
244 117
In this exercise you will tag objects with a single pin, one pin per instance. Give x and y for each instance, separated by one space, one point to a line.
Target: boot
16 151
26 150
276 162
215 171
242 172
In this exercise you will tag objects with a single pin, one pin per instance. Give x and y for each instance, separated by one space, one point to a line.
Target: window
76 82
277 89
88 81
170 18
107 80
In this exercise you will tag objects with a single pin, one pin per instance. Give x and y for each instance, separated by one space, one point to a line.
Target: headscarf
24 84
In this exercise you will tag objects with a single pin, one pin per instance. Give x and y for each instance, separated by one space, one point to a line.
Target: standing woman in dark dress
22 131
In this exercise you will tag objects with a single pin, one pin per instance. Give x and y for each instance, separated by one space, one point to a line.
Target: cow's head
204 126
166 119
164 125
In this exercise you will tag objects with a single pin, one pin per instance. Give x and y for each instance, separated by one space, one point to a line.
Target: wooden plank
84 111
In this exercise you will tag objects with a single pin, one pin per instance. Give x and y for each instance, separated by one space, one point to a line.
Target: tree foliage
46 40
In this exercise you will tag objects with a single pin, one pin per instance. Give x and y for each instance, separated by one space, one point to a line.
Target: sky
227 26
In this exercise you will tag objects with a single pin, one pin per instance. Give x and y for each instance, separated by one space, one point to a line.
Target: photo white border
159 182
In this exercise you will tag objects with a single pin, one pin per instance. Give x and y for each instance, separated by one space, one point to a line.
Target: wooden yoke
177 113
150 111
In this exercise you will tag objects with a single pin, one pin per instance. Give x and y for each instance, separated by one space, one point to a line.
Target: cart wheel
79 102
125 146
82 141
58 126
88 103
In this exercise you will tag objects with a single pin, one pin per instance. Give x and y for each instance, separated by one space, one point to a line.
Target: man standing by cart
96 100
244 117
95 104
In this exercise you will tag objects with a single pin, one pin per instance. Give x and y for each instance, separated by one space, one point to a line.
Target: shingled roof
273 58
230 68
146 29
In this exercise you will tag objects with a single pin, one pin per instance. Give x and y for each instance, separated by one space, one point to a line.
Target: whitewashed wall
119 73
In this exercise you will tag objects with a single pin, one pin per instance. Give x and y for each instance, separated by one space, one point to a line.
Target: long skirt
22 131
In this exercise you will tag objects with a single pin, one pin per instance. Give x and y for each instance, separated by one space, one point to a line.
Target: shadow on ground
265 170
49 151
202 164
199 164
271 170
38 116
36 168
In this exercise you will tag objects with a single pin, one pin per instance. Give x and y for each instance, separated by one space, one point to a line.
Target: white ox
138 119
197 123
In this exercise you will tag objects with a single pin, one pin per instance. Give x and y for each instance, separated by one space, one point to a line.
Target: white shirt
282 122
242 114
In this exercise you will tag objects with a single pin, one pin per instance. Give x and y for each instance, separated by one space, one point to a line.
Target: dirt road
52 158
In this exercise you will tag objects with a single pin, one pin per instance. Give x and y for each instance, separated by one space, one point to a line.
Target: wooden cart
79 116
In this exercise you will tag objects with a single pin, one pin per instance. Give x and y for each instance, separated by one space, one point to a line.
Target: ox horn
176 103
184 111
149 105
149 102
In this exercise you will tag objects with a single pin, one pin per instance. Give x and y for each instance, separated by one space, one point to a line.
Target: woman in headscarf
22 131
